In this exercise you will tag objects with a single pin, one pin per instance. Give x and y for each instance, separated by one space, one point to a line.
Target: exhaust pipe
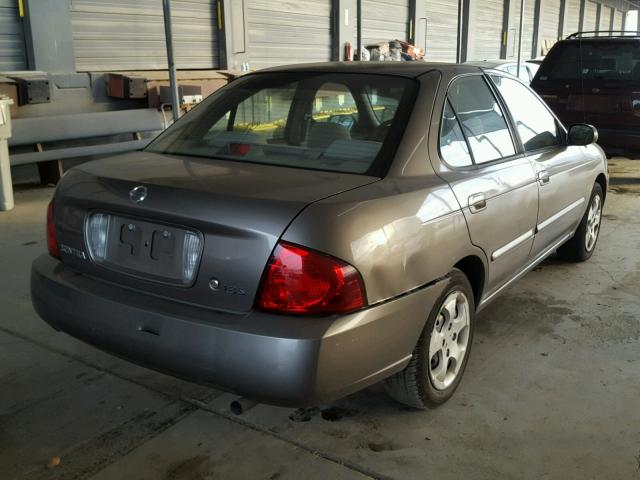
241 405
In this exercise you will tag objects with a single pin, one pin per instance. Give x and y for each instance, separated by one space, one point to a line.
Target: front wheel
581 246
440 357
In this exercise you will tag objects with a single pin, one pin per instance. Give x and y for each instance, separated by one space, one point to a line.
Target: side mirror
582 135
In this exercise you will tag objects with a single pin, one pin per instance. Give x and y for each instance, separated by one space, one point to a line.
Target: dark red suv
591 78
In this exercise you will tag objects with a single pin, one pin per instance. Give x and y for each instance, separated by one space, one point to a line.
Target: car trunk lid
237 210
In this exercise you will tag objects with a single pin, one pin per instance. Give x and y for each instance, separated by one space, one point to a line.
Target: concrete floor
551 391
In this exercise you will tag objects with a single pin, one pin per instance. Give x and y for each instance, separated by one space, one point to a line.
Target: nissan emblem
138 194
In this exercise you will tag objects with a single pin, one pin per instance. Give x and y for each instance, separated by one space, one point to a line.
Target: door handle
477 202
543 177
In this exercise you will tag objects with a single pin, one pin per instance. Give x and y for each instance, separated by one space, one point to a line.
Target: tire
581 246
421 384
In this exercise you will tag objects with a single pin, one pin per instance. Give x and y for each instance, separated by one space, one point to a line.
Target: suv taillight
301 281
52 241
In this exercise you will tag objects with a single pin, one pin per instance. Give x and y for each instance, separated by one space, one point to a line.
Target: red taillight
52 241
301 281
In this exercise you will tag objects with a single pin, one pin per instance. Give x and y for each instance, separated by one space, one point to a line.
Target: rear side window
453 145
536 127
481 119
593 60
523 75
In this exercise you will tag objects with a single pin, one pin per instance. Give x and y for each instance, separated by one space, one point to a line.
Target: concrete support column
582 9
345 22
537 31
505 28
612 19
464 31
563 19
420 20
48 36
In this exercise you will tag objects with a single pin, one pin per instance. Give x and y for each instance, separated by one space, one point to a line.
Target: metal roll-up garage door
617 20
572 17
442 30
485 29
528 20
605 19
12 51
550 24
281 32
590 16
384 20
124 35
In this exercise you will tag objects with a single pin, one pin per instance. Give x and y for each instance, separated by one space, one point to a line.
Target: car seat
323 134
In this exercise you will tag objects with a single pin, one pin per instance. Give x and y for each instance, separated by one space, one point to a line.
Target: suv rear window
587 60
335 122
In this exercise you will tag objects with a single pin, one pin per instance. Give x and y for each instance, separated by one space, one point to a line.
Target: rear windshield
335 122
592 60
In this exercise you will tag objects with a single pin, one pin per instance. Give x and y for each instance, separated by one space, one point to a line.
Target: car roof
489 63
496 63
402 69
624 38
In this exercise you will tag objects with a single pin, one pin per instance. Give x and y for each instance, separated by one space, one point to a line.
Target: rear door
558 82
611 84
561 171
593 81
495 186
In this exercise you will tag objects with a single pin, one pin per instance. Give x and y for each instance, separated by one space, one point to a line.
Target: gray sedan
526 72
308 231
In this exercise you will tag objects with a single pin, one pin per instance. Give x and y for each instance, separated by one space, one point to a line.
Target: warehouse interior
552 391
91 57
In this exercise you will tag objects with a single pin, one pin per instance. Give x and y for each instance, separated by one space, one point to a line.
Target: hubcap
449 340
593 223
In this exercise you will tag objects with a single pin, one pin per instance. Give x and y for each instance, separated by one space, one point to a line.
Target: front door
495 186
560 170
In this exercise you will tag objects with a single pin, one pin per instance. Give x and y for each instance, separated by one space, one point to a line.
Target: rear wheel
581 246
441 355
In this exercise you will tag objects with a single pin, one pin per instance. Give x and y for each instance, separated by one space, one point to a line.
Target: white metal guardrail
6 188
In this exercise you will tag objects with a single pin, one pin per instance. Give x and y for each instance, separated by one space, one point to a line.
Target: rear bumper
275 359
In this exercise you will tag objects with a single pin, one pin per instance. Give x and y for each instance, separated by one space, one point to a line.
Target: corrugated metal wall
605 18
572 17
125 35
485 29
527 29
590 16
384 20
442 30
617 19
12 48
549 23
281 32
